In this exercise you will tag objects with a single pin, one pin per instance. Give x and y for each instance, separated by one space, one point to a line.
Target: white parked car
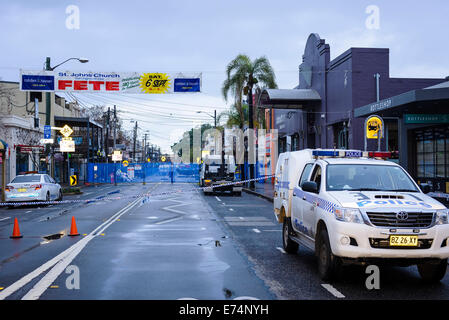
33 187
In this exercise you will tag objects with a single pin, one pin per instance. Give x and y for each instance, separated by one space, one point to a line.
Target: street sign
163 159
374 127
66 131
37 81
187 85
117 155
47 132
67 145
73 180
125 163
45 141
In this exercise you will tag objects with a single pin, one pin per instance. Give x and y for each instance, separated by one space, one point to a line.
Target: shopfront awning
77 122
430 100
289 98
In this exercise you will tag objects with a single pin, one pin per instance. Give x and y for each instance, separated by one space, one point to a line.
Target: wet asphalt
165 247
175 244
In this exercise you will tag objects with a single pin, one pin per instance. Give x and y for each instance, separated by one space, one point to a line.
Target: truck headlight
441 216
348 215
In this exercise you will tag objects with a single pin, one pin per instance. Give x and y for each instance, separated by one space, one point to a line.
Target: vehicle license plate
407 241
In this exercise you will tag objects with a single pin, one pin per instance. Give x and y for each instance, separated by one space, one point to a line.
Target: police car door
299 200
311 203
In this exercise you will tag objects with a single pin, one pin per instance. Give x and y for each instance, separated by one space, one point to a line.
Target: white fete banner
110 82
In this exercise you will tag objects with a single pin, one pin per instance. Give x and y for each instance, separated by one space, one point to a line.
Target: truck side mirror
425 188
309 186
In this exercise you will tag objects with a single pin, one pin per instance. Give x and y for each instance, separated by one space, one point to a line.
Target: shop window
432 152
341 134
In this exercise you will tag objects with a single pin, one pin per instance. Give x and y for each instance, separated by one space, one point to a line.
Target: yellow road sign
125 163
73 180
163 159
66 131
374 127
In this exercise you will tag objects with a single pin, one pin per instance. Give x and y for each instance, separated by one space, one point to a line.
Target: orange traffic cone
73 230
16 231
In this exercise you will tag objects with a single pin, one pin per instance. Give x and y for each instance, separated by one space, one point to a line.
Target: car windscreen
25 179
360 177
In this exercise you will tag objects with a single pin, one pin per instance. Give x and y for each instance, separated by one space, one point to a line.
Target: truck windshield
368 178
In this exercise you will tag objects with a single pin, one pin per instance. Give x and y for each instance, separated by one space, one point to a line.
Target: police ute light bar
351 154
379 154
338 153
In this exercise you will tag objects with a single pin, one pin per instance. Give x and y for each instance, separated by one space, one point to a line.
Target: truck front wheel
328 264
289 245
432 272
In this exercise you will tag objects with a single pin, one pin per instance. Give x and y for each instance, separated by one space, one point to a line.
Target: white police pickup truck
350 206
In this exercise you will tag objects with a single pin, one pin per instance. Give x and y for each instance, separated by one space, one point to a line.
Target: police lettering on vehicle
365 203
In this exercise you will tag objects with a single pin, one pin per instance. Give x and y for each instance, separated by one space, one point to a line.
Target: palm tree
244 75
235 116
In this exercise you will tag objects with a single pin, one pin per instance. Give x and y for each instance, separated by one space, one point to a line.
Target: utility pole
251 144
107 135
115 127
48 116
115 140
134 142
144 158
215 118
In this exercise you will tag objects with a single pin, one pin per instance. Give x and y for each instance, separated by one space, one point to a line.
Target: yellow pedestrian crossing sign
125 163
66 131
73 180
163 159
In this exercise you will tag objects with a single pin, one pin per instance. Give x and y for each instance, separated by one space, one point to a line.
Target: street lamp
47 94
82 60
47 98
213 116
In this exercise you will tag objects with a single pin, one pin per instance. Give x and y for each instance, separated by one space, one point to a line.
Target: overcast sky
203 36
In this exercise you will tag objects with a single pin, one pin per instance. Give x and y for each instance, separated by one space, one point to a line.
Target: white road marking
28 211
281 249
169 220
152 218
332 290
180 203
256 230
218 198
59 262
178 229
230 209
5 218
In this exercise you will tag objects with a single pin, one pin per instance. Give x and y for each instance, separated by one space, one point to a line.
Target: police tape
145 196
438 195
